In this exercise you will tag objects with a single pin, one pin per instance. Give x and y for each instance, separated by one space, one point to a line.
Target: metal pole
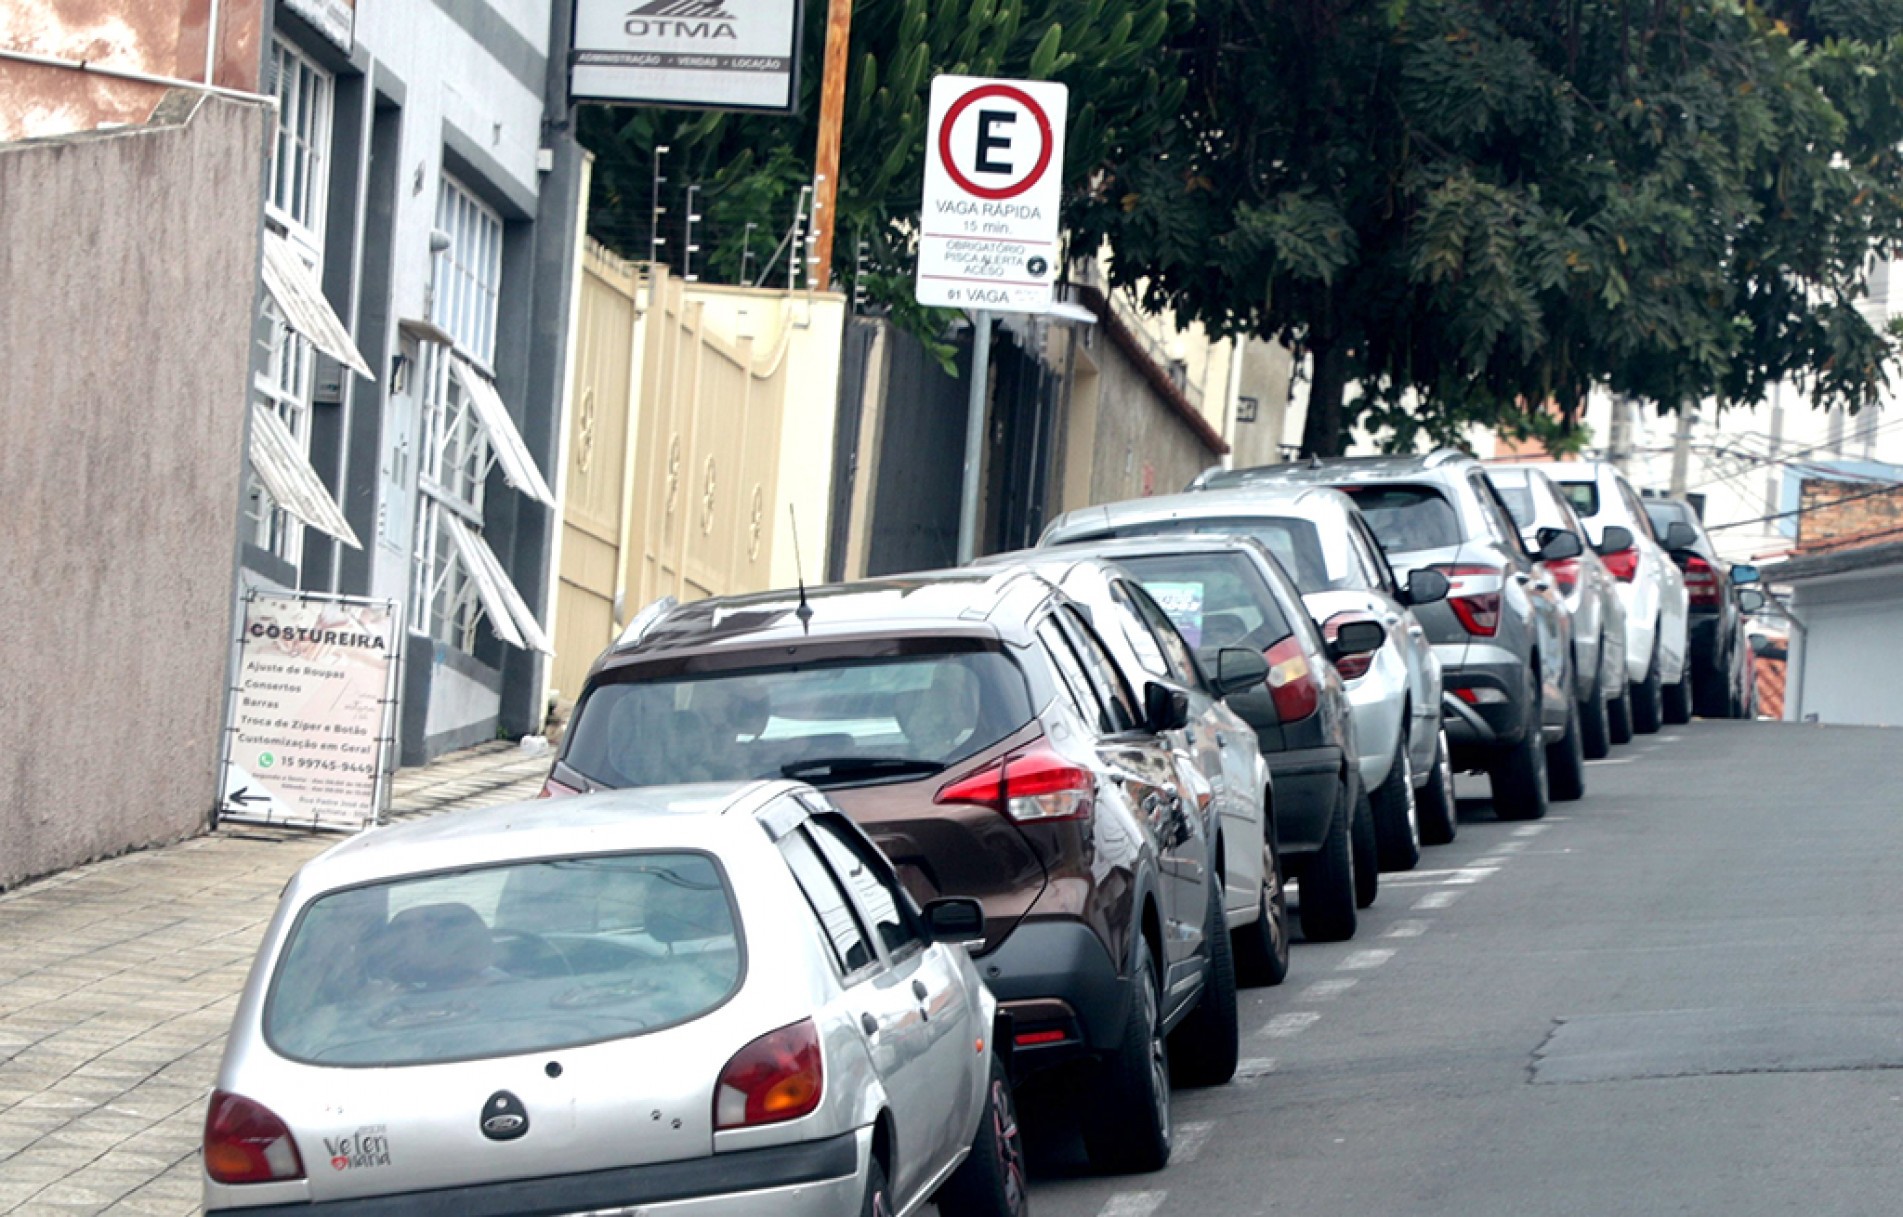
974 435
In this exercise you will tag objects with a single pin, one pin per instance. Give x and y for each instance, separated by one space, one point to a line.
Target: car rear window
1584 496
501 960
1518 496
1406 519
915 713
1215 600
1664 515
1296 543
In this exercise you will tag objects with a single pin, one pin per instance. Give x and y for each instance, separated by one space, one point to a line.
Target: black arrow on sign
243 795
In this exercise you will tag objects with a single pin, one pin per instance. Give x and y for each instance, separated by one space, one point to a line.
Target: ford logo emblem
503 1117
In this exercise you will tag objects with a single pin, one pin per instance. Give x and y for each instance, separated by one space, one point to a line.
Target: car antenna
805 611
1314 460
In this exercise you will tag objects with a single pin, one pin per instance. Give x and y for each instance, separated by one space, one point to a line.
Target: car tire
1566 762
1678 701
1595 732
1127 1128
1619 715
1367 850
1648 699
992 1180
1435 806
1261 947
1328 887
1397 826
1519 775
878 1201
1206 1045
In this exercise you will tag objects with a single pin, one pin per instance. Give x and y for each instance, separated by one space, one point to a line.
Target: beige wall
128 280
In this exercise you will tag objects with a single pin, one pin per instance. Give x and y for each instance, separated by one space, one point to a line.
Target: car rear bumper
1307 785
1494 713
1054 977
809 1179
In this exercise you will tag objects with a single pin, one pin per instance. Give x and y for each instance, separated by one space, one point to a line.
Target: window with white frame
298 185
455 453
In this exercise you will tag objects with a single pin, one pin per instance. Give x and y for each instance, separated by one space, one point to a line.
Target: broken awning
289 479
300 297
518 467
509 614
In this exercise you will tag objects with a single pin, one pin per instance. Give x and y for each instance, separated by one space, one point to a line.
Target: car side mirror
955 919
1164 708
1744 572
1557 545
1357 638
1680 535
1426 587
1617 539
1239 669
1751 600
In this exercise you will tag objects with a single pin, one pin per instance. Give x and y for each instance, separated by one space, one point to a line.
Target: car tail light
1351 667
552 789
778 1077
1702 582
1030 787
1565 574
1293 685
1473 592
1624 564
246 1143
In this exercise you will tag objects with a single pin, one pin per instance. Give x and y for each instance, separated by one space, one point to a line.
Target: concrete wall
128 280
1847 666
1138 446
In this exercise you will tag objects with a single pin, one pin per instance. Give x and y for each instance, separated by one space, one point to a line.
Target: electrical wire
1886 488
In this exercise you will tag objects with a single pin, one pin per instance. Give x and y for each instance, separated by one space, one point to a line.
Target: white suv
1651 587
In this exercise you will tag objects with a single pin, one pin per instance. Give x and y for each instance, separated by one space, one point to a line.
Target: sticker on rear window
1184 603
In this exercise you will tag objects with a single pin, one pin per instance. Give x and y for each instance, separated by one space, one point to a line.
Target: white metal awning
509 614
300 298
289 479
518 467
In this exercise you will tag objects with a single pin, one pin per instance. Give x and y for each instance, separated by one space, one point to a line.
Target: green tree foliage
751 167
1468 209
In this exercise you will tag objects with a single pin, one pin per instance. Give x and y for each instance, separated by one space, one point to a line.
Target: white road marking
1190 1139
1473 874
1334 986
1437 900
1132 1204
1253 1069
1530 830
1361 961
1406 929
1613 760
1492 862
1509 847
1284 1025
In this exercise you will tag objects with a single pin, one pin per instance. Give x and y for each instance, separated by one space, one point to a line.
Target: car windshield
1296 544
1406 519
1584 496
900 716
501 960
1216 600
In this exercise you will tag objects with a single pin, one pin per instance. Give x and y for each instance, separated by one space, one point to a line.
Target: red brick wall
1838 513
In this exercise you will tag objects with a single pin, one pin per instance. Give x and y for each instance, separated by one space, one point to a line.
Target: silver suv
1503 634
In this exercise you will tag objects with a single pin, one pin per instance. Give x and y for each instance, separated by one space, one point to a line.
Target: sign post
310 739
988 230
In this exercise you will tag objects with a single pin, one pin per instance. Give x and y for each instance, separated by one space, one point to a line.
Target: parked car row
826 875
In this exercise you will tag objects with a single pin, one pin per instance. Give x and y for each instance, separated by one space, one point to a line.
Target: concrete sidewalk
117 985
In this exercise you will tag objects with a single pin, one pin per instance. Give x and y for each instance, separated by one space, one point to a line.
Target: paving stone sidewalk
117 984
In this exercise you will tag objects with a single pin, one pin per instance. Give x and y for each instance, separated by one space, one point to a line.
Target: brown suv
979 729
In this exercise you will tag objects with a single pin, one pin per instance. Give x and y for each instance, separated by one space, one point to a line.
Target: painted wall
119 477
1137 446
1849 666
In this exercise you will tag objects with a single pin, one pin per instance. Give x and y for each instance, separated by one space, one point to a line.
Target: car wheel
1367 850
1328 887
1566 762
1678 700
1595 734
1619 715
1648 698
1261 947
878 1202
1127 1129
992 1181
1206 1044
1519 777
1397 828
1435 804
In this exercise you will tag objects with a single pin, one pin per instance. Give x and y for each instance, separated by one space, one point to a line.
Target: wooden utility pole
832 113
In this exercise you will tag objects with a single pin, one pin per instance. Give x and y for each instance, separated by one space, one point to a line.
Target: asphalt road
1679 995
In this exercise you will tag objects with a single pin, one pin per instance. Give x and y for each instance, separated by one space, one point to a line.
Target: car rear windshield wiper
851 768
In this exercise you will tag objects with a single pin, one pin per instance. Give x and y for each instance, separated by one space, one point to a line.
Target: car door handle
869 1024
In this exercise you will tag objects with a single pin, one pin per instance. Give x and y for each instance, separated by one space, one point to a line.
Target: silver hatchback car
671 1001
